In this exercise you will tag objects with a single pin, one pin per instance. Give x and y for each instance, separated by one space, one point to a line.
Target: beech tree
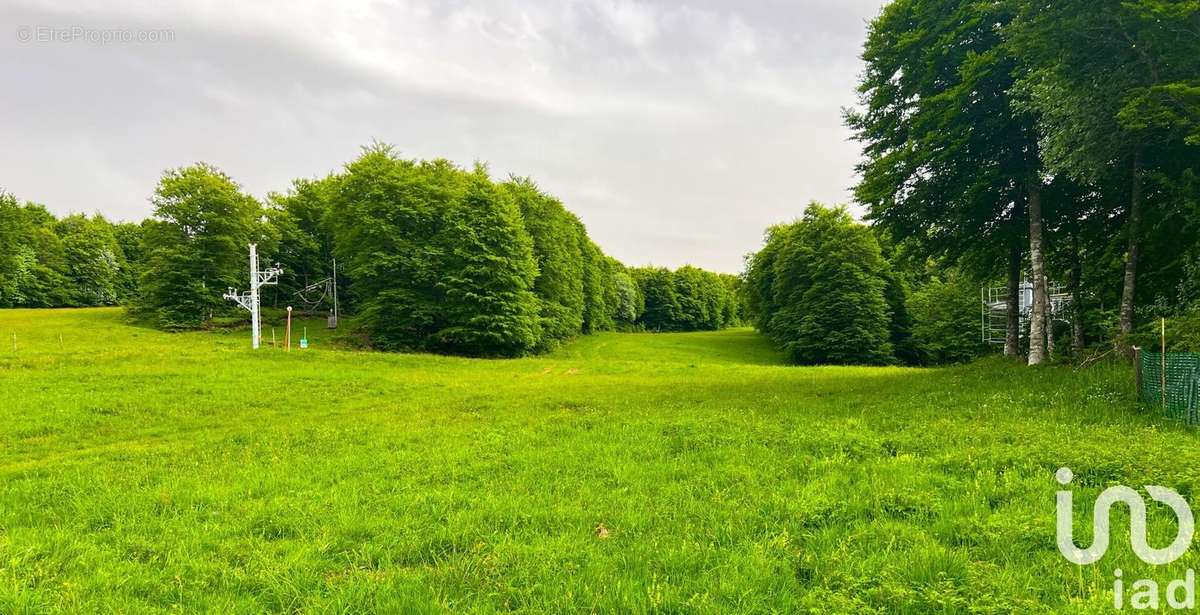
439 257
94 260
1116 85
195 246
559 285
487 273
950 160
10 242
821 283
304 238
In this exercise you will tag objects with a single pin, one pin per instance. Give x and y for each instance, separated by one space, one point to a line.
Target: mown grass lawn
144 471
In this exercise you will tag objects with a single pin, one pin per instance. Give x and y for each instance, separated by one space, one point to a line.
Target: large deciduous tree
94 260
949 159
439 257
557 249
821 283
195 246
1116 85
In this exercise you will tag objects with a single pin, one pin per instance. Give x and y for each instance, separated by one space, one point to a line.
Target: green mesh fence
1182 384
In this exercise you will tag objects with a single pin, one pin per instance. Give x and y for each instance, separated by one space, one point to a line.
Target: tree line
431 257
1048 141
75 261
829 290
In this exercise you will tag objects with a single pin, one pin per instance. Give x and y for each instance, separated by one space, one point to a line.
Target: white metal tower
249 299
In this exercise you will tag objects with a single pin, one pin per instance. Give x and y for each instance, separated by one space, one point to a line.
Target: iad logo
1145 591
1137 523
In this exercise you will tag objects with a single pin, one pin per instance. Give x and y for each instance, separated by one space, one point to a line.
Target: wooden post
1164 363
287 334
273 344
1137 362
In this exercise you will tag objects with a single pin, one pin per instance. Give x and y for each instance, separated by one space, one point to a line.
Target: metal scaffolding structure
994 309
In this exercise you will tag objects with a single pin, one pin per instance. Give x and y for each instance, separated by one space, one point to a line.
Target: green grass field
153 472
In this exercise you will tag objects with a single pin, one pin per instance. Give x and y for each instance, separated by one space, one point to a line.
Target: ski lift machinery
319 292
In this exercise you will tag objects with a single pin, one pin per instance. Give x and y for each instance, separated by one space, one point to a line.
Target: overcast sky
676 130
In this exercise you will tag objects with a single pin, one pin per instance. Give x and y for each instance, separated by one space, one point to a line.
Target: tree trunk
1037 319
1012 331
1131 254
1077 338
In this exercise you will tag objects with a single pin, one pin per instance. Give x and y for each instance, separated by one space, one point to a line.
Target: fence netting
1181 385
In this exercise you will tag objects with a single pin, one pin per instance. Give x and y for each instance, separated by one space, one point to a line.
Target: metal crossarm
250 300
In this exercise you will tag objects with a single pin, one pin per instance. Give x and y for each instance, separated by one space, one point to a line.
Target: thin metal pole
254 307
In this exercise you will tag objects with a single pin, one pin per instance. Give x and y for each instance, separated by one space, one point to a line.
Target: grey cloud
677 131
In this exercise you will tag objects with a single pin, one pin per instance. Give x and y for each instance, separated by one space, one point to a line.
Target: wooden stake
1137 361
273 345
1164 363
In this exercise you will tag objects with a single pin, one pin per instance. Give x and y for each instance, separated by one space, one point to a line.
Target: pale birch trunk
1131 254
1037 319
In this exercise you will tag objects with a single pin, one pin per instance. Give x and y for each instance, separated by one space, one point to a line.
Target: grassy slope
147 471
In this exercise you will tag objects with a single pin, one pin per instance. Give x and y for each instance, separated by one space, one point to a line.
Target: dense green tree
826 299
630 302
598 287
304 236
488 274
732 309
657 287
758 285
129 241
94 260
950 161
945 321
11 225
900 333
698 309
42 261
1116 86
687 299
387 216
195 246
438 257
557 249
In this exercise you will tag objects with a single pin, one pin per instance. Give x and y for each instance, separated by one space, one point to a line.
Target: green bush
1183 333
